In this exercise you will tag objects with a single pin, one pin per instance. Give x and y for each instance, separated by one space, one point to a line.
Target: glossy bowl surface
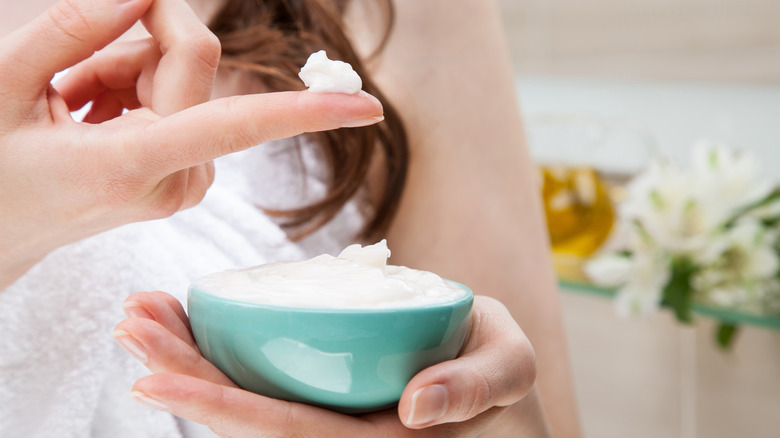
348 360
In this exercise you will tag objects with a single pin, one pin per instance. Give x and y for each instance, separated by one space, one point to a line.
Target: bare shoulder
471 210
447 70
438 51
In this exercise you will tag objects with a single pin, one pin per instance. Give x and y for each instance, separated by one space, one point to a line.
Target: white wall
733 40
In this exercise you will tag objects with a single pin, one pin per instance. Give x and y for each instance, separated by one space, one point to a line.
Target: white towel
61 373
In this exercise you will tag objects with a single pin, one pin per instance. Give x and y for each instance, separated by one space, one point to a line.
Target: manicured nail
131 345
429 403
363 122
134 309
144 399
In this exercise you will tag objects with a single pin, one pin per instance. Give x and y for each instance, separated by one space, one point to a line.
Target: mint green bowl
347 360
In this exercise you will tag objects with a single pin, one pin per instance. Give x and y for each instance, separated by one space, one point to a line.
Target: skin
471 211
492 388
498 217
64 181
496 356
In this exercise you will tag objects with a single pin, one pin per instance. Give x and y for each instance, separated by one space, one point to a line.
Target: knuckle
198 46
195 360
118 184
492 305
169 195
69 18
243 137
10 59
482 397
118 190
289 417
149 46
232 106
215 418
514 369
528 376
193 198
207 49
523 361
166 206
167 301
126 190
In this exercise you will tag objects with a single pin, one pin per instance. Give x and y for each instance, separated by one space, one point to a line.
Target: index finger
68 32
220 127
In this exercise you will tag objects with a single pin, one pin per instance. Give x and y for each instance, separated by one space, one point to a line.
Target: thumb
497 368
67 33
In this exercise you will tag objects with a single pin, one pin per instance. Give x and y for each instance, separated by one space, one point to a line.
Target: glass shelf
721 314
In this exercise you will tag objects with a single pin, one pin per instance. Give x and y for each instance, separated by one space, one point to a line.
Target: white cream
358 278
322 75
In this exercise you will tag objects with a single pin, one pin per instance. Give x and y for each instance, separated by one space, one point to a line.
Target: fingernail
429 403
363 122
134 309
144 399
131 345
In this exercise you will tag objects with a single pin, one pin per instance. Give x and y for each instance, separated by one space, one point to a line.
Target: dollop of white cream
323 75
358 278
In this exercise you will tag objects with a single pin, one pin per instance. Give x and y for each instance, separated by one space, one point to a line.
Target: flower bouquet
708 234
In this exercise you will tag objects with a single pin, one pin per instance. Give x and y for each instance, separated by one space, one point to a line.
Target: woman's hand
64 181
461 397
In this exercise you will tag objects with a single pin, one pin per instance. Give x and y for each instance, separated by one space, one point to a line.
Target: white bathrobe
61 373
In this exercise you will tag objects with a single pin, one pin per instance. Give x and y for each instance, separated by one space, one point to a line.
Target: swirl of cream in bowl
358 278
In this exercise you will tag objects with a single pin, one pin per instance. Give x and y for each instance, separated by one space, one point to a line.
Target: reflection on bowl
349 360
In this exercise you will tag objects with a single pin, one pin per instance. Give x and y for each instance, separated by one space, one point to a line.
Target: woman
464 139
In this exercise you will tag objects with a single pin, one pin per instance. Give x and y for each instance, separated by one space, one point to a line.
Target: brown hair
273 39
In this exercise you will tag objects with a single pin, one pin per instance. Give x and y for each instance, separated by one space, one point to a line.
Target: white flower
751 254
726 179
745 269
641 295
661 203
641 278
680 211
610 270
704 218
768 211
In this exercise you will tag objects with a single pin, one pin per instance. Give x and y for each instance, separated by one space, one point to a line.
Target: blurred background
647 78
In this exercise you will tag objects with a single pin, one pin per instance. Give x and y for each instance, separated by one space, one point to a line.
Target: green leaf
677 293
725 335
771 197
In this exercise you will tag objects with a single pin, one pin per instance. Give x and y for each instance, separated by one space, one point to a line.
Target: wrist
12 269
17 256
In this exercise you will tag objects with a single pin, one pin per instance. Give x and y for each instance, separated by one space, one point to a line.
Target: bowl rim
464 300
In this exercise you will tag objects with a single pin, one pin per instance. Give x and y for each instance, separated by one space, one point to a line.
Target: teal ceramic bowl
347 360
